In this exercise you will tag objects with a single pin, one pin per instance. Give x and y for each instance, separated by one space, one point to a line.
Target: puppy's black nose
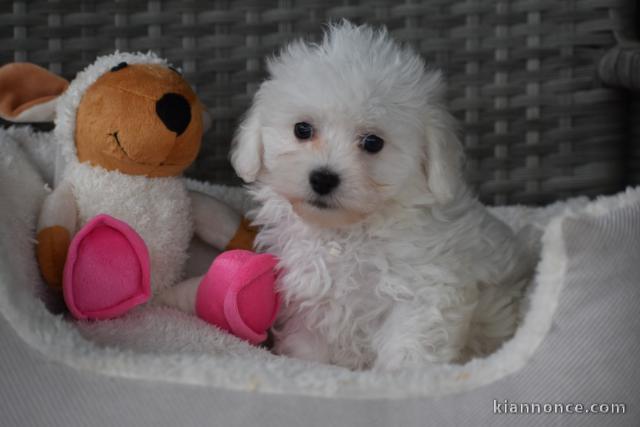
174 111
323 181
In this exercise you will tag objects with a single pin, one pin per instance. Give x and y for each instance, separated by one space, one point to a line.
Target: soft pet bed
579 341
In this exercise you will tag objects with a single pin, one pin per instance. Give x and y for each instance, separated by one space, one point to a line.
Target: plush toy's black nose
323 181
174 111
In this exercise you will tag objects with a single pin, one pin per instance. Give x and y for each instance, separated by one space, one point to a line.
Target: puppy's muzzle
323 181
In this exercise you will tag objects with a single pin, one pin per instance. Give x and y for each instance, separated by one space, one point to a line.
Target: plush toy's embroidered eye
119 67
372 143
303 130
175 70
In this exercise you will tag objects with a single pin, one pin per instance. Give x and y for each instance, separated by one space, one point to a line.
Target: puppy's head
346 126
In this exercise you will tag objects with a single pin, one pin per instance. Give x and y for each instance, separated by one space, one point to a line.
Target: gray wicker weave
537 123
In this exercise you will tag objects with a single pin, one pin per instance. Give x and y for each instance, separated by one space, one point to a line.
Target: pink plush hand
238 294
107 270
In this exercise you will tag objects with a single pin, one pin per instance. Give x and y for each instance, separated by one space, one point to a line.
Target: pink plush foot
107 270
237 294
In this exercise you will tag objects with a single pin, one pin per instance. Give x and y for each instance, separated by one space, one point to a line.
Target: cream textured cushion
579 341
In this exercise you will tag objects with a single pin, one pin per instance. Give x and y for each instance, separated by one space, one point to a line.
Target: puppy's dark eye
303 130
119 67
372 143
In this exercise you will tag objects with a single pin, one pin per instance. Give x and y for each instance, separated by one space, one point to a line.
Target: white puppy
388 259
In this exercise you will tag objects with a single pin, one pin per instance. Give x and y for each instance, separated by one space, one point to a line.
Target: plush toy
115 230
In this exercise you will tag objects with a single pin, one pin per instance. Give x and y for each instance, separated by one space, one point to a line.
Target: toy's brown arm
244 237
56 226
53 244
219 225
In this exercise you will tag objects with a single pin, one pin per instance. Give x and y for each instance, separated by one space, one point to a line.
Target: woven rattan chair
538 123
546 92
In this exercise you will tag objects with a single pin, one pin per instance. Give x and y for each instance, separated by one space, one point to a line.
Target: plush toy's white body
158 209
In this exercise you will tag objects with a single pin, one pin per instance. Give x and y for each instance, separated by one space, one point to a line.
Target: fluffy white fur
402 266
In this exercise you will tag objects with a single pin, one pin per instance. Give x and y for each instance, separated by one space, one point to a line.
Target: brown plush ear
28 92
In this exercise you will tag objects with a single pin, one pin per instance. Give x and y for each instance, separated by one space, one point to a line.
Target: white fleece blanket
157 343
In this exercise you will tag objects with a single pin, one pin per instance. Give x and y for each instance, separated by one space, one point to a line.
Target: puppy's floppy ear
444 157
246 151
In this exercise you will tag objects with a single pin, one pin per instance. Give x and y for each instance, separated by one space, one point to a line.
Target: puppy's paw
303 345
414 355
400 359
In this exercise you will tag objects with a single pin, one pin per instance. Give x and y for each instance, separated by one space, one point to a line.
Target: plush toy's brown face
139 119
